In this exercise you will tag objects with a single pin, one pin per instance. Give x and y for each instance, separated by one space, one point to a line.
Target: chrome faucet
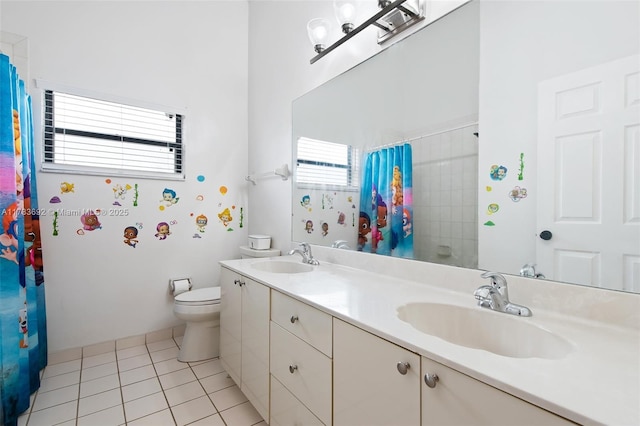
304 250
343 244
495 296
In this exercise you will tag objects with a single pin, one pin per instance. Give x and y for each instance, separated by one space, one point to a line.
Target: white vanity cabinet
375 382
457 399
244 336
301 365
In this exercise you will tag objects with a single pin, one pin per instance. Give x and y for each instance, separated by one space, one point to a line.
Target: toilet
200 309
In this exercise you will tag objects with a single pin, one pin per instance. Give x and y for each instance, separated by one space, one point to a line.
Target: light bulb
345 14
318 30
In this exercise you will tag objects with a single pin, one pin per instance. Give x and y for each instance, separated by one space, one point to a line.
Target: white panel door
589 176
231 323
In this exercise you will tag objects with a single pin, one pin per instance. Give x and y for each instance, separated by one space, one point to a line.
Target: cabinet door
458 399
230 323
255 344
368 387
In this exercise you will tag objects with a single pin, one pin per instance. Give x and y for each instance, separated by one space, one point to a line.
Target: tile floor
139 385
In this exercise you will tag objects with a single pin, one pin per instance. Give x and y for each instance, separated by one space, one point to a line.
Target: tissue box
260 242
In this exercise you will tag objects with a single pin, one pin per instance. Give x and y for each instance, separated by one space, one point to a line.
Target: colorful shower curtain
386 203
23 333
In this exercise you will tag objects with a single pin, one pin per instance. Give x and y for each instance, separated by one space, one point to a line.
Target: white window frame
350 164
47 164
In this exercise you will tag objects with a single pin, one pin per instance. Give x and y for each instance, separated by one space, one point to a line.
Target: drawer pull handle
238 282
403 367
293 319
431 380
293 368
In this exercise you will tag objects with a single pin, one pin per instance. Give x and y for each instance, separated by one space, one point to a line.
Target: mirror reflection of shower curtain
386 203
23 347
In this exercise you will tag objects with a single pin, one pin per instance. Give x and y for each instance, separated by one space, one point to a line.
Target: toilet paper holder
180 285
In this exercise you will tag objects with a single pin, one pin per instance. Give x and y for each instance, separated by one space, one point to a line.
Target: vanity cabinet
457 399
375 382
244 336
301 365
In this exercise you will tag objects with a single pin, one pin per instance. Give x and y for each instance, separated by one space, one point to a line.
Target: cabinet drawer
303 370
306 322
287 410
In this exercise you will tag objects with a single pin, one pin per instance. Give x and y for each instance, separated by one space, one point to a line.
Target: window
326 164
93 136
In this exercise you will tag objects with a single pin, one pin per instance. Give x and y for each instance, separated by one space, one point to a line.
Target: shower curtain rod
415 138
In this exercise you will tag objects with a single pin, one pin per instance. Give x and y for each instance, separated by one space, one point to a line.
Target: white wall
521 44
176 54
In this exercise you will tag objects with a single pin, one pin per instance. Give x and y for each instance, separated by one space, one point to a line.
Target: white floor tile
144 406
54 415
184 393
98 385
193 410
214 420
134 362
161 418
208 368
113 416
169 366
131 352
137 375
55 397
95 360
140 389
98 371
61 381
165 354
99 402
160 345
177 378
62 368
227 398
241 415
217 382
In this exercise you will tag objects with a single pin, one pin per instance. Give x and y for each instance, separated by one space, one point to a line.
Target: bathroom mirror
470 93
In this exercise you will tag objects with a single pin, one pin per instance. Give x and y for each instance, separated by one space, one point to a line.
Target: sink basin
281 267
479 328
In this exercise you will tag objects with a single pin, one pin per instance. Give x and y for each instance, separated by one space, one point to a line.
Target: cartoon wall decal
55 224
492 208
162 231
169 198
327 201
341 218
305 202
55 200
488 188
107 181
117 203
325 228
130 236
498 172
521 170
139 225
489 223
66 187
517 194
308 226
200 198
90 221
200 178
223 190
201 222
225 217
135 195
241 218
120 192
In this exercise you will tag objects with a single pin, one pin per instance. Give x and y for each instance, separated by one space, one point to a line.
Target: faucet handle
498 281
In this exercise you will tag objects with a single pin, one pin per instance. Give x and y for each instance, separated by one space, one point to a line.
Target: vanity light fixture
318 30
392 18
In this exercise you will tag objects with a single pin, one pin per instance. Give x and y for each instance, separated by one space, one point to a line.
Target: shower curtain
386 203
23 335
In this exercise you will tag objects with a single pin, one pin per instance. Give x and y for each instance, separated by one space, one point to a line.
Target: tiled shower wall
445 190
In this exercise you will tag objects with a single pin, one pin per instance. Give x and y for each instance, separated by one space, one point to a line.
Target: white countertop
597 382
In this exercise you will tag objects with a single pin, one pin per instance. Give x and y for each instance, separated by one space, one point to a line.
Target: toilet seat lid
208 294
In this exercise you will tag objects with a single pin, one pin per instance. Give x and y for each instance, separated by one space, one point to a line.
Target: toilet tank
247 252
